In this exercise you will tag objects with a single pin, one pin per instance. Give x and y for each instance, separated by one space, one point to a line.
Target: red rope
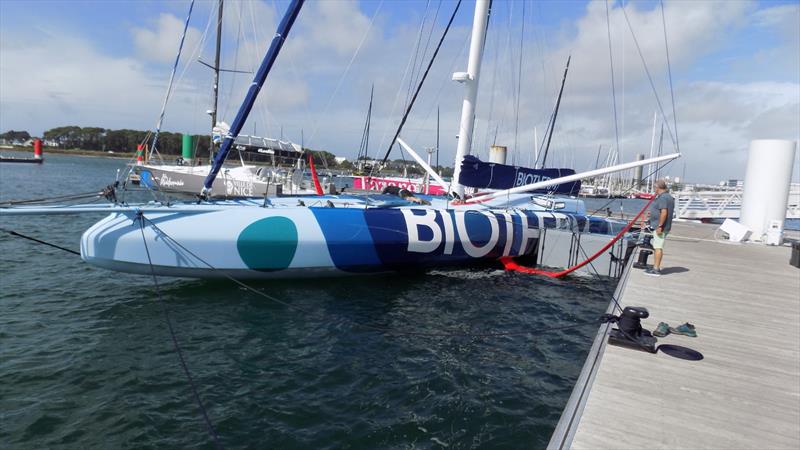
314 177
509 264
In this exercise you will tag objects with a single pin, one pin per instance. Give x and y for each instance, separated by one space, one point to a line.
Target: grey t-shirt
663 201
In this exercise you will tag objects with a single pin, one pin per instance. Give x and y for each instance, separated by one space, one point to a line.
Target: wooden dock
744 394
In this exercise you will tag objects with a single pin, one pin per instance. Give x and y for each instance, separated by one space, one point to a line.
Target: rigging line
52 199
649 77
175 343
610 201
197 50
389 331
613 82
363 146
239 36
346 70
496 64
430 35
421 83
30 238
296 73
188 64
411 80
397 97
172 76
262 110
445 79
669 71
555 113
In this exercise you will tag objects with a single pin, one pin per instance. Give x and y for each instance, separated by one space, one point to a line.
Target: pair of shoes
686 329
653 272
662 330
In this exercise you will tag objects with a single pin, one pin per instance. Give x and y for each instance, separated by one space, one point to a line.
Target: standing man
660 214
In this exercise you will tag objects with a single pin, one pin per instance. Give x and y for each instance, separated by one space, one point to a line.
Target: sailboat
363 180
187 174
335 235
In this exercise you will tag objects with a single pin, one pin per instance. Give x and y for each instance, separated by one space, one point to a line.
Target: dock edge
570 418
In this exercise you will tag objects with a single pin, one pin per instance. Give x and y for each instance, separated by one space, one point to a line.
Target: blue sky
735 66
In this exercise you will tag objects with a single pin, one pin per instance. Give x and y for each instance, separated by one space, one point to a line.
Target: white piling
766 185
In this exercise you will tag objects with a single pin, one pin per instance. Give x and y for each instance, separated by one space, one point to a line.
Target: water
86 360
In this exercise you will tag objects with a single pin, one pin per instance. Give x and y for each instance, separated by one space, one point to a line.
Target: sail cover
484 175
267 146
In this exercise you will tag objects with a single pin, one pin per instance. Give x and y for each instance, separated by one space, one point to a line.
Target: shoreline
73 152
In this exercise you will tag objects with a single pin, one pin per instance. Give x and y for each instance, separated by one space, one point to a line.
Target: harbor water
86 358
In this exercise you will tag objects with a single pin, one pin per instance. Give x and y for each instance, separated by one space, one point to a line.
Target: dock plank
745 393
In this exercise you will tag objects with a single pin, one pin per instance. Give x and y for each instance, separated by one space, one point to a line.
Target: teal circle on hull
268 244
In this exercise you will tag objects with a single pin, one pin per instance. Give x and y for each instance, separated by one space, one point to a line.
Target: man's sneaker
653 272
662 330
686 329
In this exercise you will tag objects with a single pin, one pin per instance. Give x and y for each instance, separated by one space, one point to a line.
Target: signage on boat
239 188
427 231
363 240
379 184
165 181
529 178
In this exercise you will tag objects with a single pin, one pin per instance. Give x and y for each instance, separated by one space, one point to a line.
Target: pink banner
378 184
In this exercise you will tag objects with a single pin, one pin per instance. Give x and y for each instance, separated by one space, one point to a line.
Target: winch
629 332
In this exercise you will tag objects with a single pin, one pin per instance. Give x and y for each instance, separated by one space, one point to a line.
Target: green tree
12 135
346 165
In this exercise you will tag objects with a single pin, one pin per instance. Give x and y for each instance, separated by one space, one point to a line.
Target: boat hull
190 180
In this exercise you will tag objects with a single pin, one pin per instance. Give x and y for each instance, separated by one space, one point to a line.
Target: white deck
745 393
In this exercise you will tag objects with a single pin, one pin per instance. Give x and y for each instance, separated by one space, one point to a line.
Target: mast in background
258 81
216 67
555 113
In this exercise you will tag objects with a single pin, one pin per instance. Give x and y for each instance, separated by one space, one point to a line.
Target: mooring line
30 238
211 431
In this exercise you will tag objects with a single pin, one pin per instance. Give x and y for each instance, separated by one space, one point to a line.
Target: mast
216 68
363 149
555 112
437 138
470 79
255 87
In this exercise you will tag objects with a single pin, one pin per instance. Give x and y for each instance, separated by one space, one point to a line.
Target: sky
734 66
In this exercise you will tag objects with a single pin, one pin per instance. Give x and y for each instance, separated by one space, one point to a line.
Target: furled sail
485 175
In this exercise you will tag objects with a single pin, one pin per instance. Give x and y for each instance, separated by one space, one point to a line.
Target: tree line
15 136
124 141
169 143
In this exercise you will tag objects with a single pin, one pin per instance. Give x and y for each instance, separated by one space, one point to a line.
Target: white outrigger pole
470 79
570 178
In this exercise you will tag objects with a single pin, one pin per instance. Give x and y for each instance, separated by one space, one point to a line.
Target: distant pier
11 159
745 393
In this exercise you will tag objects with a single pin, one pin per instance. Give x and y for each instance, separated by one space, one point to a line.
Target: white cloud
718 113
76 84
161 44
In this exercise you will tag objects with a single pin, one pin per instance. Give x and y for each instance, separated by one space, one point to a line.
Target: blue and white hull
348 236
